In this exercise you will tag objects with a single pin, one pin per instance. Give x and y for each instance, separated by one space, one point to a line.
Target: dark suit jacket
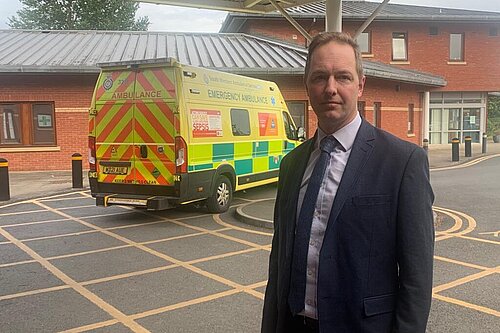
375 271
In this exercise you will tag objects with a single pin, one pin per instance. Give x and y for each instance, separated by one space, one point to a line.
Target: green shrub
493 124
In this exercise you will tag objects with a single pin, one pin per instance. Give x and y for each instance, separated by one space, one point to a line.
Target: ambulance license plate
115 170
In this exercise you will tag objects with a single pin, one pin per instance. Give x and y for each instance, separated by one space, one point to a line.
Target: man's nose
331 86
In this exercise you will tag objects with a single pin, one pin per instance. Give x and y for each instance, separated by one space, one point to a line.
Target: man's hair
337 37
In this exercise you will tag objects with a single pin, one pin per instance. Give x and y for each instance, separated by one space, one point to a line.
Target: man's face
333 85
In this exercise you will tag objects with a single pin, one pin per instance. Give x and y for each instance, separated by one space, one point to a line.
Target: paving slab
23 232
244 268
197 247
72 244
49 312
238 313
154 231
138 294
107 263
26 277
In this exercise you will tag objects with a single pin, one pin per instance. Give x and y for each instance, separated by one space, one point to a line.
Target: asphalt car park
69 266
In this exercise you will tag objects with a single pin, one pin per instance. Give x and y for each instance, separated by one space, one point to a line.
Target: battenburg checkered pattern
245 157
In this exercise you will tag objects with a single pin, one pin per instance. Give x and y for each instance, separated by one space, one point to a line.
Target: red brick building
461 46
47 80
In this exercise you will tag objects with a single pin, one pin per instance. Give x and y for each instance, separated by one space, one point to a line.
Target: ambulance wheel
221 197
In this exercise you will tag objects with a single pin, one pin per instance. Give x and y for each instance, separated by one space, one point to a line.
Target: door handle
144 151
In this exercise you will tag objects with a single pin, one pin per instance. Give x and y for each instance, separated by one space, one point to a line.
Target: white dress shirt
333 174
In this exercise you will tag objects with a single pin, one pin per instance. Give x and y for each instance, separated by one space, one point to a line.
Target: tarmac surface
69 266
29 185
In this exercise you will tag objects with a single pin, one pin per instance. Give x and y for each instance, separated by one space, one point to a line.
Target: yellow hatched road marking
465 280
111 310
461 263
467 305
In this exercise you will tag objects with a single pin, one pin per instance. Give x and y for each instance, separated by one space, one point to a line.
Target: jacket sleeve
415 245
270 312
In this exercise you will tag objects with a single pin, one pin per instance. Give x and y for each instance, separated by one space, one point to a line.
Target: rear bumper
187 188
134 200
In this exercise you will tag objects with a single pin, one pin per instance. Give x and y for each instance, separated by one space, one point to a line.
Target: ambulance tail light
92 156
180 155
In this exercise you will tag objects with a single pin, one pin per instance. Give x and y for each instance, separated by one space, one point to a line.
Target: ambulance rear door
135 126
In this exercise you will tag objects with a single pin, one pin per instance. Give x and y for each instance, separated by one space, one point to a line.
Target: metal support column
333 15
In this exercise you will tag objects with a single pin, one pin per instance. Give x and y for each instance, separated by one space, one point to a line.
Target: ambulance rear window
240 122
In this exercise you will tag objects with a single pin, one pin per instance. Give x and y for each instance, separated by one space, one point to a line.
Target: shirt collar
345 136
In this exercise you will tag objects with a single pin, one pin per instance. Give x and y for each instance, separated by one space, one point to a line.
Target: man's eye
319 78
344 78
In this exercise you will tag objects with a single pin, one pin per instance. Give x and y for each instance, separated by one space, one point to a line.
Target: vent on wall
494 31
433 31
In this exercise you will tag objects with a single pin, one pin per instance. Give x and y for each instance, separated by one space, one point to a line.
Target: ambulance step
140 201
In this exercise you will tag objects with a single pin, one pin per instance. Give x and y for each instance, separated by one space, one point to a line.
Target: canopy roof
242 6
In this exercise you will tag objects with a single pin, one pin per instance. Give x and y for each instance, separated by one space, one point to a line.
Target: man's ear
361 86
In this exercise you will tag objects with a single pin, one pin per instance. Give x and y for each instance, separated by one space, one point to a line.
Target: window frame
462 47
233 122
405 34
369 41
27 127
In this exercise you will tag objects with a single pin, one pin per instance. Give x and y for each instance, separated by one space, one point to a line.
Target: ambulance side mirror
301 134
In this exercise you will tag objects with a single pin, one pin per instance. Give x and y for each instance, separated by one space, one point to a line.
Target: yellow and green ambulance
162 134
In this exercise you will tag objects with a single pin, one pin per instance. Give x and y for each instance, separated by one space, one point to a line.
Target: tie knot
328 144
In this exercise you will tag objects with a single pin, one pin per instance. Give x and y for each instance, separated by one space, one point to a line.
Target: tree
493 125
78 15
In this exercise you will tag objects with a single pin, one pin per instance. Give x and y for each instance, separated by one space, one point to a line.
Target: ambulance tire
221 197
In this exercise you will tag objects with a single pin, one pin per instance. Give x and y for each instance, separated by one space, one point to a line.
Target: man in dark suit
354 236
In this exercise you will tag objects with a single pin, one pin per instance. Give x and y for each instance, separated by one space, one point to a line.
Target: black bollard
485 140
468 146
4 180
425 145
454 149
76 170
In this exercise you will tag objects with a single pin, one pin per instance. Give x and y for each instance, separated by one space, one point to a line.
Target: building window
411 119
456 115
399 46
298 111
433 31
27 124
364 42
240 122
456 47
362 108
377 114
493 31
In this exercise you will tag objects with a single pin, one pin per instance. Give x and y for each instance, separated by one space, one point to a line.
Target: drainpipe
426 114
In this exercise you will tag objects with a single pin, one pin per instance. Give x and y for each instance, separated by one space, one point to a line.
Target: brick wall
425 52
71 95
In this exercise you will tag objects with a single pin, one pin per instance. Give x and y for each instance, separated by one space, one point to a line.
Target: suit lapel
361 150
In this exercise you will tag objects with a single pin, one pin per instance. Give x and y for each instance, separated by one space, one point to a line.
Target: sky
183 19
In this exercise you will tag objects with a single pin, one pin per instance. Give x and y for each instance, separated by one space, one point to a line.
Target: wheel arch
224 170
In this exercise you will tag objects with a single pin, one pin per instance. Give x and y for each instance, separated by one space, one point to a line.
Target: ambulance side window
289 127
240 122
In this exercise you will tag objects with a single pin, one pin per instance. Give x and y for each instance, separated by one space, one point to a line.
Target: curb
252 220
